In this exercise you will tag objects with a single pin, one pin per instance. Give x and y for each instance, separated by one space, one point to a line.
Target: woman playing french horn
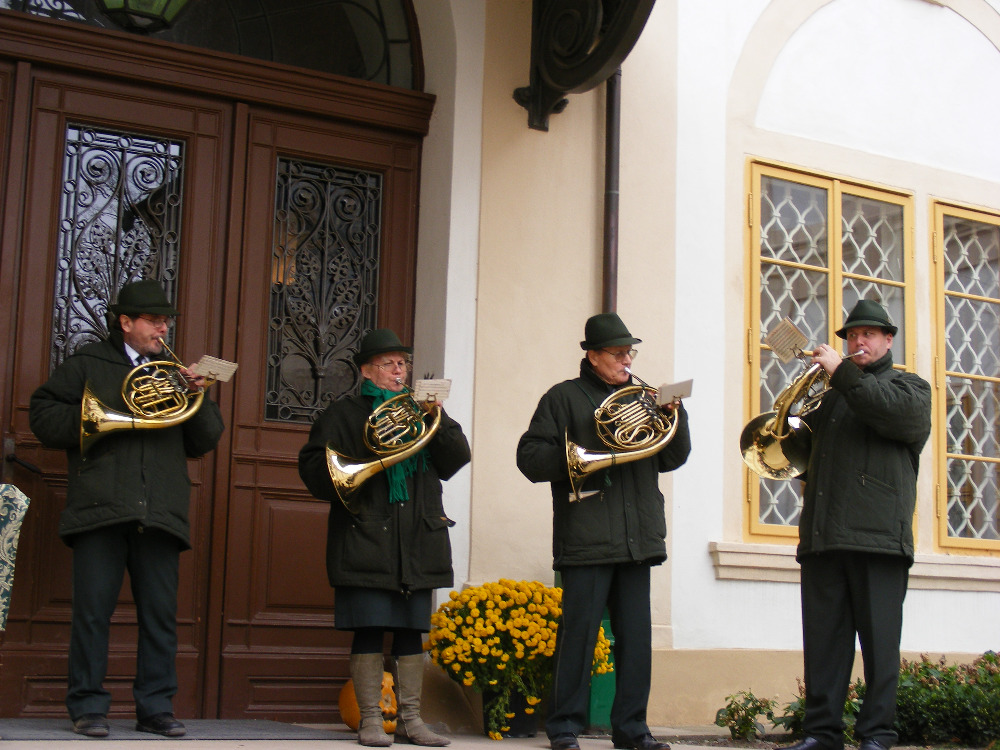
387 544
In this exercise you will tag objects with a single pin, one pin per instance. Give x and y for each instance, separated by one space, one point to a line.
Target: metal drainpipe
612 159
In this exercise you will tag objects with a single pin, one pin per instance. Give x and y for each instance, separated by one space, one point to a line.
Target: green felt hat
868 312
146 296
379 341
606 329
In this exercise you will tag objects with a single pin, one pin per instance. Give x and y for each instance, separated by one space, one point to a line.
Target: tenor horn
156 393
775 444
395 431
630 423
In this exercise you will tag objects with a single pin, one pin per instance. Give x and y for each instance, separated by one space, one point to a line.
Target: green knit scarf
397 473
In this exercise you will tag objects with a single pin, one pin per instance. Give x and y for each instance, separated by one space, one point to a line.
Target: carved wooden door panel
327 245
117 182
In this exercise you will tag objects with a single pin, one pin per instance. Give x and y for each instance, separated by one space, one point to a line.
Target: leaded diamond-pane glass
324 284
872 237
972 364
793 222
120 219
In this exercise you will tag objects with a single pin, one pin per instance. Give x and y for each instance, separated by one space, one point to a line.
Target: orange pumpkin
351 714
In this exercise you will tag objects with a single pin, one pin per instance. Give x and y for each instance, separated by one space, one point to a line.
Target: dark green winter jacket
401 546
128 475
626 521
861 484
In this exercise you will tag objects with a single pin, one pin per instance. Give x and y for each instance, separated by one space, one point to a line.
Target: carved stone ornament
575 46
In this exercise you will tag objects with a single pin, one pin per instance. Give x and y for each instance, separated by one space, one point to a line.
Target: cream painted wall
709 85
539 278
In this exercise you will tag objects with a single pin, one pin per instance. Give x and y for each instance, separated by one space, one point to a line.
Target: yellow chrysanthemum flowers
499 638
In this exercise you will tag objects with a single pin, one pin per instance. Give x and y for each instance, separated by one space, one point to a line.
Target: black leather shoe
564 742
92 725
872 745
642 742
811 743
164 724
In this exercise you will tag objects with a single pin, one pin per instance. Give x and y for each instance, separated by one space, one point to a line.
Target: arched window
373 40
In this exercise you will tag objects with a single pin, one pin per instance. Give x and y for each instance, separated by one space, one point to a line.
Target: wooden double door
256 636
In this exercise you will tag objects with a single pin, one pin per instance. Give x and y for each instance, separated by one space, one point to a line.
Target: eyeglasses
620 356
158 320
403 364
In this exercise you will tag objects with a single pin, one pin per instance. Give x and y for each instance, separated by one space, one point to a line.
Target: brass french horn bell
395 431
156 393
631 424
776 444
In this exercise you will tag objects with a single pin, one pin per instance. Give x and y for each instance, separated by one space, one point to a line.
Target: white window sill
776 562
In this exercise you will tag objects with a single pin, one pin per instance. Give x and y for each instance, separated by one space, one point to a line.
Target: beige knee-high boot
366 672
409 726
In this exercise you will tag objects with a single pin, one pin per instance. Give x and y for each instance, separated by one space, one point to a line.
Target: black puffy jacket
128 475
395 546
861 484
626 521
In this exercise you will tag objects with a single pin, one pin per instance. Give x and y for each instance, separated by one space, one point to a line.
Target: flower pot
521 724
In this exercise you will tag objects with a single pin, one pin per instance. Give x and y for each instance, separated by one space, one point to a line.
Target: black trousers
624 590
100 559
843 594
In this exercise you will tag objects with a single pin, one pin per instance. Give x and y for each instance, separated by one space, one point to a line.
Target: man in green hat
388 547
605 544
126 509
856 529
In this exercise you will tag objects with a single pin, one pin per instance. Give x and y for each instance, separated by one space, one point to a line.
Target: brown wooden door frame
246 90
34 642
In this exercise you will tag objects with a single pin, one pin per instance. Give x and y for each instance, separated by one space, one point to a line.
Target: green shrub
935 704
741 712
795 712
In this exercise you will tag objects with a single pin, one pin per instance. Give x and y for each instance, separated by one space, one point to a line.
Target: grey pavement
458 742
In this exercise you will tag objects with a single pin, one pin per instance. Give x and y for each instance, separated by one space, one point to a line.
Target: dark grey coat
626 522
861 484
394 546
129 475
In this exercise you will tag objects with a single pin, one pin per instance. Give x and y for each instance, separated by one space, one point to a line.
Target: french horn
156 393
775 444
395 431
631 424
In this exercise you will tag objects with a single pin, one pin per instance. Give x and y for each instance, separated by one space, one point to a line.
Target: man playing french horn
605 542
387 541
126 507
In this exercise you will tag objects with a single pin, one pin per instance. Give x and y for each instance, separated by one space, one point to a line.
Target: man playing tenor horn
856 530
605 544
126 508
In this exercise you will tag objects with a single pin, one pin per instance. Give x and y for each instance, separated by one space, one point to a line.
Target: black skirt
356 607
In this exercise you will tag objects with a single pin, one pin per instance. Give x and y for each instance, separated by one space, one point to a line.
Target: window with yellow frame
966 249
818 244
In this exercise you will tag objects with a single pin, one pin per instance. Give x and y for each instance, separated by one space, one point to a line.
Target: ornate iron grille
61 9
972 374
796 272
120 220
324 284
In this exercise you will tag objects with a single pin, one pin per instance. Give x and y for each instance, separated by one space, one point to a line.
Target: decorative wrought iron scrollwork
324 284
575 46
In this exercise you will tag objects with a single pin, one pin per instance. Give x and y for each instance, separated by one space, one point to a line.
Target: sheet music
786 340
667 394
220 370
431 390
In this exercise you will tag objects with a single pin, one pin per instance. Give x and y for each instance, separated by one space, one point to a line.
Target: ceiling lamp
143 16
